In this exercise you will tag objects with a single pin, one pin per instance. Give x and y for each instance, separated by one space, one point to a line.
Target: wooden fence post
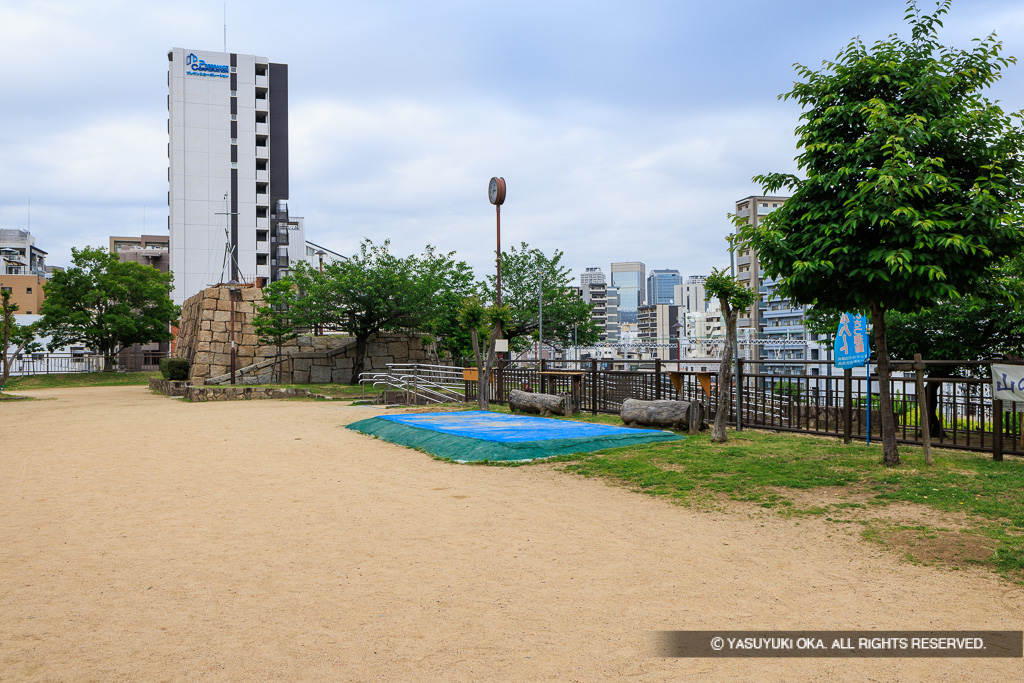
847 405
657 379
924 417
593 386
997 430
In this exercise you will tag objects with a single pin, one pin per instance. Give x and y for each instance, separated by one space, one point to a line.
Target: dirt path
143 538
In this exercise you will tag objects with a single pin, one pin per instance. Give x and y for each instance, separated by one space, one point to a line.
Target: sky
624 130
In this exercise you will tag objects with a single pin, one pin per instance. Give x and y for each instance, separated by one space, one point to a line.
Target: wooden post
997 430
593 386
739 394
847 405
657 379
923 416
544 381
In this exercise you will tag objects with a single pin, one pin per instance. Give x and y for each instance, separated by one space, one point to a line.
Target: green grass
798 475
79 379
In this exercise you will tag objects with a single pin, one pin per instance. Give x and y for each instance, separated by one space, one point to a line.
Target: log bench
672 414
542 404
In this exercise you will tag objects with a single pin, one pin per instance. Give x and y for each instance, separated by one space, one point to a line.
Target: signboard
851 347
198 67
1008 384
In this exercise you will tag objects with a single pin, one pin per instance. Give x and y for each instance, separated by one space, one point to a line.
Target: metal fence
820 400
76 362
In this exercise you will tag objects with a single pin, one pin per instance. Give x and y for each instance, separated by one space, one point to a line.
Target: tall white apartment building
228 174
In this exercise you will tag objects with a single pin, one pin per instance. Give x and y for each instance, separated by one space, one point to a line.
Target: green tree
524 273
375 291
107 305
20 337
913 189
733 298
275 322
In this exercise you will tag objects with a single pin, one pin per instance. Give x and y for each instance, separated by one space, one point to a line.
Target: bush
174 368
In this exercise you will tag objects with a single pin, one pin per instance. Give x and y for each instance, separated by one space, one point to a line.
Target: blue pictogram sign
851 345
198 67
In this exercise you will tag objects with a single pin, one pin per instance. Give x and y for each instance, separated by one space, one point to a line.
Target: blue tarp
503 428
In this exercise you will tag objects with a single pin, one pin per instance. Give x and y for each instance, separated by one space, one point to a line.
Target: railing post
847 405
543 379
739 394
657 379
593 386
997 430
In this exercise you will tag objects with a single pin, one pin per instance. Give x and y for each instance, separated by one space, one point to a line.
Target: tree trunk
543 404
481 395
671 414
484 373
360 358
725 373
108 362
890 453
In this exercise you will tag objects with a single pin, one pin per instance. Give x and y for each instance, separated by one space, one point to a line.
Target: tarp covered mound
480 435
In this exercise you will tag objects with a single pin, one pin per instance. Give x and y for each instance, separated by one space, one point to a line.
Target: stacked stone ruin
204 339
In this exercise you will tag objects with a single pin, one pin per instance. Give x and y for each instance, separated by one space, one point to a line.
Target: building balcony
263 176
262 198
262 104
263 128
263 223
262 81
743 260
261 152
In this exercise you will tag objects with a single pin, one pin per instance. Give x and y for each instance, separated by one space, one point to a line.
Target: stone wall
204 339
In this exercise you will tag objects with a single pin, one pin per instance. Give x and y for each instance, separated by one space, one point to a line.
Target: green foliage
788 389
376 291
914 180
721 285
275 322
107 305
564 310
14 338
174 368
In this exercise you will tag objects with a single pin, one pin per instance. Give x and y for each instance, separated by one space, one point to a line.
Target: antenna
225 27
30 214
143 219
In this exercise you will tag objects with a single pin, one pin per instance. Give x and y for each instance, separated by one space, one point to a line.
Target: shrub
174 368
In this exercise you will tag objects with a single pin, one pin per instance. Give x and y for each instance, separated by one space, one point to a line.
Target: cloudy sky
625 130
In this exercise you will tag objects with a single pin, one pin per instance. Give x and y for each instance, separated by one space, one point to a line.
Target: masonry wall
204 339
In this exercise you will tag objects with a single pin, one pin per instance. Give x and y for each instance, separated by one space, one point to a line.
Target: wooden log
671 414
543 404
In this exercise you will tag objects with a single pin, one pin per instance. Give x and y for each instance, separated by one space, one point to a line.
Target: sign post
852 350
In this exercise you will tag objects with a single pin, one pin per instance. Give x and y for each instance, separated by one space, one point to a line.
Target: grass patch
79 379
799 475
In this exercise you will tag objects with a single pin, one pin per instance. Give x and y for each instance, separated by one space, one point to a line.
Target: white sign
1008 383
501 345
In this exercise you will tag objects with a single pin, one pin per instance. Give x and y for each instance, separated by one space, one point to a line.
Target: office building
659 326
228 174
591 275
604 308
691 295
149 250
661 286
629 278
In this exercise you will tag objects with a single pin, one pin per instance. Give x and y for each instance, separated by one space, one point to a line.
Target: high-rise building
691 295
591 275
604 308
228 175
661 286
628 277
659 326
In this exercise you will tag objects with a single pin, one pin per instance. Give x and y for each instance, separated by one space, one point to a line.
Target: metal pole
540 315
497 209
231 292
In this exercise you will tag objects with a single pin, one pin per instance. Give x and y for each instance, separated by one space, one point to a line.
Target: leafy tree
733 298
275 323
107 305
375 291
524 272
21 337
914 188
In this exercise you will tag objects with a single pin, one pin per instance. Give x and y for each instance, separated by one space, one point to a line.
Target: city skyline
624 133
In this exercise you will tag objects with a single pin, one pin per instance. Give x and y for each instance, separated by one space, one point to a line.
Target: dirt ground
144 538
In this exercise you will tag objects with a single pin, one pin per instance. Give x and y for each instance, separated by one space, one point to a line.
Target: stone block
252 294
249 340
223 305
301 377
219 327
319 374
222 316
205 335
417 355
376 349
398 349
244 308
222 359
304 342
266 351
200 370
204 324
343 362
220 337
202 346
203 358
341 375
302 364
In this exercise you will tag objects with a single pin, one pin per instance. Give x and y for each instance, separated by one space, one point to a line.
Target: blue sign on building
851 345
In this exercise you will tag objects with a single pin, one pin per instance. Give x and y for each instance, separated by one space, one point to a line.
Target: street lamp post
319 324
232 288
540 315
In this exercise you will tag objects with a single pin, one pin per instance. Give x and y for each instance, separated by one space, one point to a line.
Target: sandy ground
143 538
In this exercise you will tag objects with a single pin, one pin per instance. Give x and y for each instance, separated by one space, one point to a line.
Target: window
234 141
261 259
234 164
234 69
234 93
28 290
5 289
764 204
234 117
